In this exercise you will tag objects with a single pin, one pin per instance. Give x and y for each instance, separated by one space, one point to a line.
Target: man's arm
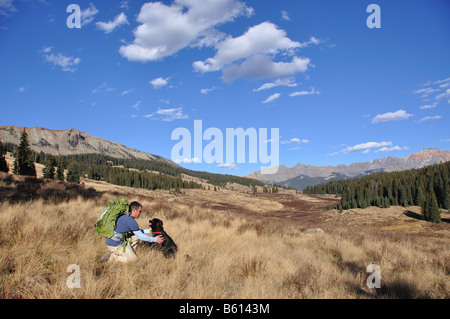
140 234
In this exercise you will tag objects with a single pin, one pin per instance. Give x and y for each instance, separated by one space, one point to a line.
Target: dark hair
135 205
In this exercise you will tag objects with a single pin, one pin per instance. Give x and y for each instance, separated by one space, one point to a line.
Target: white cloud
188 160
427 118
124 5
159 82
21 89
227 165
391 116
136 105
301 93
271 98
262 66
164 30
285 15
444 96
7 7
125 92
67 63
333 154
425 91
390 149
87 15
432 87
295 140
257 49
429 106
206 91
103 88
442 81
365 146
46 49
290 82
168 115
111 25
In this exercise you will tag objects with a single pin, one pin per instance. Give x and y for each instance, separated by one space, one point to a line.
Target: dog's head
156 225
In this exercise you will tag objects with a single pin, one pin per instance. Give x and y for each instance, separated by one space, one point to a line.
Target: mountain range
72 141
301 175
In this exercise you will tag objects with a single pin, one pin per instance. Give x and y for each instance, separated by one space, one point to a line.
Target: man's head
135 209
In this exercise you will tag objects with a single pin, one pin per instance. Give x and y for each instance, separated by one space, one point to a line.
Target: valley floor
231 245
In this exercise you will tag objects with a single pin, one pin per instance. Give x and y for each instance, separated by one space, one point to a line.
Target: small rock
314 230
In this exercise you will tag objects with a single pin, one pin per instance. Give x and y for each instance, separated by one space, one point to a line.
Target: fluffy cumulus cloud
251 55
167 29
391 116
263 51
159 82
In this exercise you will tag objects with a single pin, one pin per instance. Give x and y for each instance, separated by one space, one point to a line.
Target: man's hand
159 239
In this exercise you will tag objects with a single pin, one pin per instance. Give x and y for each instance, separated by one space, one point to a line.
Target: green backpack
105 224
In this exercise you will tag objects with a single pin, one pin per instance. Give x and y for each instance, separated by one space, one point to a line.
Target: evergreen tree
73 173
24 164
430 208
49 169
420 196
3 164
60 170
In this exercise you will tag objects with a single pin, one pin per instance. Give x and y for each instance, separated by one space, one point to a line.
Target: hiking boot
105 257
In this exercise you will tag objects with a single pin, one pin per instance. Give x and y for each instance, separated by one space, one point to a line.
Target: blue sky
338 91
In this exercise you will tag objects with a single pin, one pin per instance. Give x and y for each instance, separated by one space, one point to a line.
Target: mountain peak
72 141
318 174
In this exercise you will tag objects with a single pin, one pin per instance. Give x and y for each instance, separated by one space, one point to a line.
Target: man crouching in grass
128 230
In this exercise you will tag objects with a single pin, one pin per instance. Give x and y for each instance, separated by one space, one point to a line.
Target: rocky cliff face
72 141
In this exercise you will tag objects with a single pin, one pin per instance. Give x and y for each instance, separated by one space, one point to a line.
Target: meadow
231 245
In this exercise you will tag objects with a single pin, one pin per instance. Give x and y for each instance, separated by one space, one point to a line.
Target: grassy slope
232 245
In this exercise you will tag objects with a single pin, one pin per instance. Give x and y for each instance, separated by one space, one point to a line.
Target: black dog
168 247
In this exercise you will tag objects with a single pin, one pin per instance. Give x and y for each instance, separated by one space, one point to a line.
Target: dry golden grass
240 248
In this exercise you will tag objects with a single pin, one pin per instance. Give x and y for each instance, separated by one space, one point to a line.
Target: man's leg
117 253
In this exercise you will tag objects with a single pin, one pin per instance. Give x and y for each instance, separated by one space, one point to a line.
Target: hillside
406 188
319 174
95 156
71 142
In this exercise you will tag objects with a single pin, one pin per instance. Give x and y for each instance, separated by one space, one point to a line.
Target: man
128 229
